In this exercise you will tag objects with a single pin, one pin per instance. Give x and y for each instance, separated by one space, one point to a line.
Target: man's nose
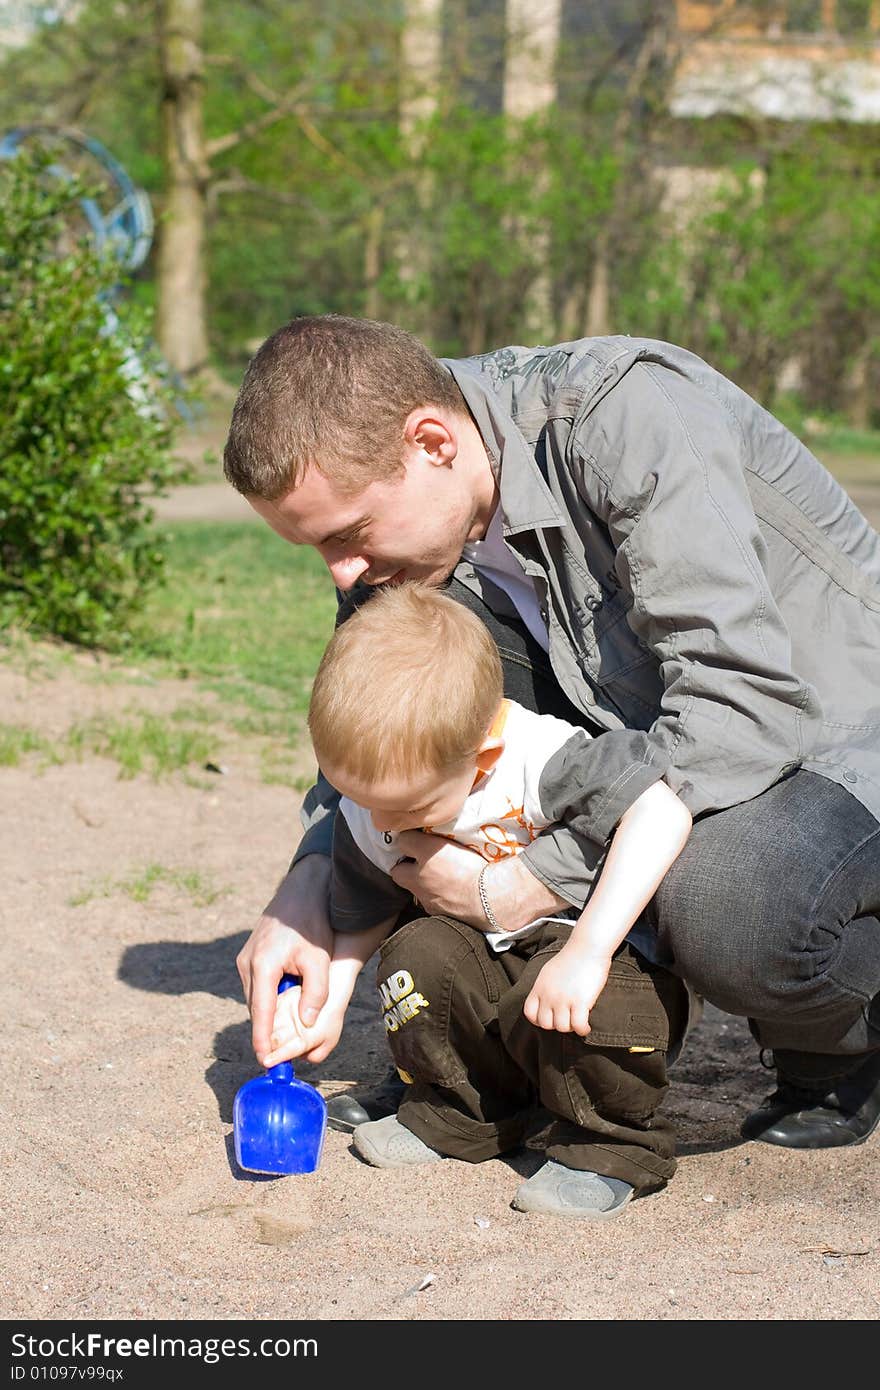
346 570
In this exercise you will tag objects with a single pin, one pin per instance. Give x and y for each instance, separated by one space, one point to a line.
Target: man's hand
566 990
293 936
442 877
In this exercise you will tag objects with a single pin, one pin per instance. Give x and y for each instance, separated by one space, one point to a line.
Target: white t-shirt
492 557
503 811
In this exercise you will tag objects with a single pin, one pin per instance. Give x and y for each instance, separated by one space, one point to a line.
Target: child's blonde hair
409 683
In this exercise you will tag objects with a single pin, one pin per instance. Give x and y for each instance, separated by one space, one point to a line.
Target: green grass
158 746
276 769
140 884
41 660
243 616
852 455
190 712
146 743
841 438
245 613
17 741
149 743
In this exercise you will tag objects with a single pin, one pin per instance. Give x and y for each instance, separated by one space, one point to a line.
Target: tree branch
221 143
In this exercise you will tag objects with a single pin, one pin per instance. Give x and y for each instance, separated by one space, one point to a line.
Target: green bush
84 429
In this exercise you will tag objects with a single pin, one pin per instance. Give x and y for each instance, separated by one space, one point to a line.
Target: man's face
412 526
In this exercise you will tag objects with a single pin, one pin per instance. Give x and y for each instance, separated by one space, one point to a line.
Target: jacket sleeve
662 462
318 813
574 792
565 862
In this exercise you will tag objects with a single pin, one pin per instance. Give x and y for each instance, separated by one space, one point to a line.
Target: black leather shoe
345 1112
796 1117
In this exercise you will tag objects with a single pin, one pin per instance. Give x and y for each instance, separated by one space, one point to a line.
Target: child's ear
488 753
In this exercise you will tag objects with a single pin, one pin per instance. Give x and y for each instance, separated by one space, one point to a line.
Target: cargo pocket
619 1070
611 1084
641 1006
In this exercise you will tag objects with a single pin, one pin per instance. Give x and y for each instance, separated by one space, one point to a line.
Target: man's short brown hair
334 392
410 683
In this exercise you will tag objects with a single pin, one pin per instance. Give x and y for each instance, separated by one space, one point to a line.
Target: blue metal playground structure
119 218
118 213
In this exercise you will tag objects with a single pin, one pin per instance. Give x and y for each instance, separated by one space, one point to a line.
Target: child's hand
566 990
290 1037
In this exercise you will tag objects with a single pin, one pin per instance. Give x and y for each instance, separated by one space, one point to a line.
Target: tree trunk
530 58
529 88
181 327
598 317
421 42
654 44
421 38
373 261
860 395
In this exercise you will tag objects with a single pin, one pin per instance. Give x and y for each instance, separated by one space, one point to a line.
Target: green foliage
449 227
753 273
83 435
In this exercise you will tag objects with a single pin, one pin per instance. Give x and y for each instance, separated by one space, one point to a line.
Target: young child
409 723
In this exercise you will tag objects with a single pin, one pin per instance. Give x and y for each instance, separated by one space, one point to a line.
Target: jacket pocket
626 671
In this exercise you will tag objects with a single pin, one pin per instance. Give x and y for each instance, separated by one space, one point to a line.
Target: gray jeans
772 910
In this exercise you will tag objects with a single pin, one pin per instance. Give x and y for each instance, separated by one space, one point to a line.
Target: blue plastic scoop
278 1122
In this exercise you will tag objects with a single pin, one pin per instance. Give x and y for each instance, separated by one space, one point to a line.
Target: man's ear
425 430
488 753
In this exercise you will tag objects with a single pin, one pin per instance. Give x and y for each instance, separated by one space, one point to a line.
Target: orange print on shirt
500 840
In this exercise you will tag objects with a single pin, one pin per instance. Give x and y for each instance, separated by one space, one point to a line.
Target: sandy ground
127 1038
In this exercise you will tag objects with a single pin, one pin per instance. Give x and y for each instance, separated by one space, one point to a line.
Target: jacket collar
527 503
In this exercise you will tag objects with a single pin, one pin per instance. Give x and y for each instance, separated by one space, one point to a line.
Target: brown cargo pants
478 1071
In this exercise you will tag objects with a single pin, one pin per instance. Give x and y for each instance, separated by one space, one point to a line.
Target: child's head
403 704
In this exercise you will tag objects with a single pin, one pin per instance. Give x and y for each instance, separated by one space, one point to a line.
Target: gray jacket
712 595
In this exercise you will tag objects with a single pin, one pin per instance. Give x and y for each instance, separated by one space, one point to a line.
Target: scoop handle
283 1071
